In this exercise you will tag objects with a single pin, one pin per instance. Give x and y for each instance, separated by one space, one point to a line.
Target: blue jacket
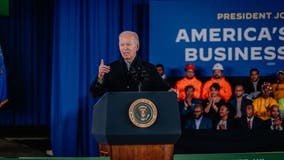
233 103
206 123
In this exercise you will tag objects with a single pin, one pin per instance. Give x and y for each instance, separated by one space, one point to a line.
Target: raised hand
103 69
278 122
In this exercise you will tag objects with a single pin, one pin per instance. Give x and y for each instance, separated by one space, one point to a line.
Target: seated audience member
186 105
253 84
161 70
278 91
213 102
198 121
263 103
225 87
188 79
239 102
281 106
275 123
225 122
248 121
278 87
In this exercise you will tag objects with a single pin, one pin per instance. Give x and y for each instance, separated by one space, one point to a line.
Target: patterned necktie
249 126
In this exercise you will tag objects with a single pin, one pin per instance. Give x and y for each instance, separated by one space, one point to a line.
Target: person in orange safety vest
225 90
189 79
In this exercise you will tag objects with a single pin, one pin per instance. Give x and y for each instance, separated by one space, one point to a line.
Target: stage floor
24 142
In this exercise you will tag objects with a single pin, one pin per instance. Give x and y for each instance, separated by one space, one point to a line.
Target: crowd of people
251 105
255 104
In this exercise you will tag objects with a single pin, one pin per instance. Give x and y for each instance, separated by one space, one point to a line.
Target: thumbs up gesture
103 69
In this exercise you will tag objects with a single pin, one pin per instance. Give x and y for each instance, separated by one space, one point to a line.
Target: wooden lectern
121 138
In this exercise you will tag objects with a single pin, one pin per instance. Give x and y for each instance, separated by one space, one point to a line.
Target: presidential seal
142 113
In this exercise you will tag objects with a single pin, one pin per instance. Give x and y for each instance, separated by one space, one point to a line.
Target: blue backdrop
235 33
25 37
52 49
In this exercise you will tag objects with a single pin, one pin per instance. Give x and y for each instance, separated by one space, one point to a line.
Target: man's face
254 76
160 71
189 73
249 111
280 77
275 112
217 73
214 92
266 91
223 111
239 91
128 47
189 92
197 112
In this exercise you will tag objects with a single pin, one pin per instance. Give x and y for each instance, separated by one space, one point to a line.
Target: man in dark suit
253 84
275 123
249 121
225 121
129 73
199 121
239 102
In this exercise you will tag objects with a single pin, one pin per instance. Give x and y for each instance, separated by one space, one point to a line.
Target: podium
121 127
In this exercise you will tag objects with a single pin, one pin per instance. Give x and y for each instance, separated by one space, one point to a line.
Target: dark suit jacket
257 123
248 86
187 113
231 124
205 123
268 123
244 102
120 79
212 114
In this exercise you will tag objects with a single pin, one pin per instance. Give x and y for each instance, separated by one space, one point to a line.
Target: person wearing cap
263 103
278 87
188 79
225 90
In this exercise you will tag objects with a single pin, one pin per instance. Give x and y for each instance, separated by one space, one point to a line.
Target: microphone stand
139 86
140 78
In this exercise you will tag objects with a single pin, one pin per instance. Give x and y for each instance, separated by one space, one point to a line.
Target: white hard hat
218 66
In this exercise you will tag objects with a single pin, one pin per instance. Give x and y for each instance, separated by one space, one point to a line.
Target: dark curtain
52 50
26 42
84 32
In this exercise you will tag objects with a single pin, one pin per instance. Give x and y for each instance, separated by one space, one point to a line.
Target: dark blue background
167 17
52 49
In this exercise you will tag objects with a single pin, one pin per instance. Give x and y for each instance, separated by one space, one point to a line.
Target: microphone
137 74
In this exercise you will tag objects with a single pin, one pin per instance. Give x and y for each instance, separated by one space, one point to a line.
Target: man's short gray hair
135 35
